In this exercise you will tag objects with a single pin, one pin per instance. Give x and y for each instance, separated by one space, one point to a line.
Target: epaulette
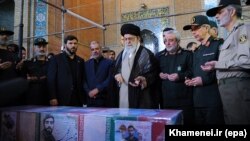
238 26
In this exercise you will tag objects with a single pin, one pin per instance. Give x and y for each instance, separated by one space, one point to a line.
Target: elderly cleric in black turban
130 29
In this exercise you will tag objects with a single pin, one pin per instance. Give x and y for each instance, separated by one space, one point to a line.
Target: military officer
234 62
176 64
206 96
7 58
35 71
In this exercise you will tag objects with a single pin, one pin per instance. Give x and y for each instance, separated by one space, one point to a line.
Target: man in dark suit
66 74
98 79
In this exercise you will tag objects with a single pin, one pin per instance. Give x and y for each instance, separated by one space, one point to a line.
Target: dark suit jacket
60 81
99 79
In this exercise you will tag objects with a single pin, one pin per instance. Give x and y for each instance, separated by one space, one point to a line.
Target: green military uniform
234 63
233 73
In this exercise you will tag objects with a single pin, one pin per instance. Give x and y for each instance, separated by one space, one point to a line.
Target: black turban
130 29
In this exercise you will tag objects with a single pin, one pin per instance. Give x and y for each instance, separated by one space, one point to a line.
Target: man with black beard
135 71
35 70
66 74
7 58
48 123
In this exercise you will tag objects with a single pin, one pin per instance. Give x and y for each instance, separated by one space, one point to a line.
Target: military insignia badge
243 39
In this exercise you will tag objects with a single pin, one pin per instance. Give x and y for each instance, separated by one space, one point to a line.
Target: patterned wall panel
41 19
151 22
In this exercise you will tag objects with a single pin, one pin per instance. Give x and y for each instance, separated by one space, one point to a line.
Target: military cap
197 20
4 31
130 29
223 3
40 41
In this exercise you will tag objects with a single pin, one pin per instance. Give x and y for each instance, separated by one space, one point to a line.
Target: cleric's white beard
130 47
130 50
